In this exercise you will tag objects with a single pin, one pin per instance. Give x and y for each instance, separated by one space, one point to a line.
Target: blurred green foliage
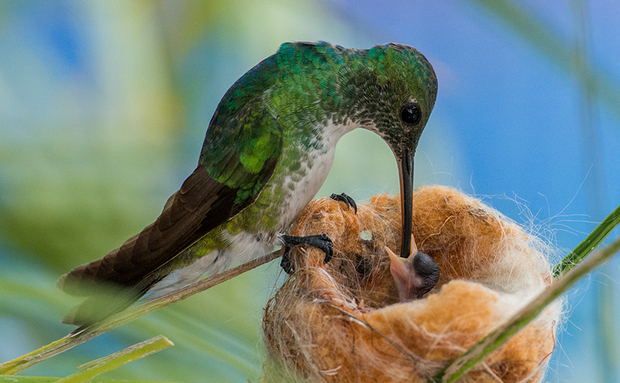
103 108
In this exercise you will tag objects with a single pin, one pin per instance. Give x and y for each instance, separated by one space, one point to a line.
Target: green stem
591 242
499 336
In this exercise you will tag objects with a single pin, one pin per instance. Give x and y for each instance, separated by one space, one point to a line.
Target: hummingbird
267 151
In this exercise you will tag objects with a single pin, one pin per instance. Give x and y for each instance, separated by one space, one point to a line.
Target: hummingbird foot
320 241
346 199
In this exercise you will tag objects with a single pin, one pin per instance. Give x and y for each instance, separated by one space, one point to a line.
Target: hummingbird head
394 93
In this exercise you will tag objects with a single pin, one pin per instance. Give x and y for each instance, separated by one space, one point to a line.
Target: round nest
343 321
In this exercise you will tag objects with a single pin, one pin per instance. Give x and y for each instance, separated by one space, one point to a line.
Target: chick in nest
359 318
415 275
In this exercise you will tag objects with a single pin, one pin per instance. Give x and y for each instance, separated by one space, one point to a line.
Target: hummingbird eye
411 114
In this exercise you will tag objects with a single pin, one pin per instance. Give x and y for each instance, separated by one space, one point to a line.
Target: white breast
316 170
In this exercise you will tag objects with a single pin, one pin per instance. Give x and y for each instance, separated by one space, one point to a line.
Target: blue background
104 105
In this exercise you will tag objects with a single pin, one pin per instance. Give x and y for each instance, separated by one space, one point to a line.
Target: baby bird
414 276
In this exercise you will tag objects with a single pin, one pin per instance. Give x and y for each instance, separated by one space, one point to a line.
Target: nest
343 322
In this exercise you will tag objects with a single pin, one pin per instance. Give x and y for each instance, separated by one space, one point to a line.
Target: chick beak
402 270
413 276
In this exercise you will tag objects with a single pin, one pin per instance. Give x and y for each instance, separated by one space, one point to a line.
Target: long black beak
405 169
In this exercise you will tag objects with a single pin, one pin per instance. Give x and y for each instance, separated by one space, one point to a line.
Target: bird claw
285 262
346 199
320 241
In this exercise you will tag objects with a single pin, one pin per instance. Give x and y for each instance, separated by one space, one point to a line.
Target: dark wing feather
115 281
199 206
203 203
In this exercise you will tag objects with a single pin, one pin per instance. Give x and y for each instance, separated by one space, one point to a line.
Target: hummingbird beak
405 169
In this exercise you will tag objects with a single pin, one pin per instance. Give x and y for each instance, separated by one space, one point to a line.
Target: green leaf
591 242
97 367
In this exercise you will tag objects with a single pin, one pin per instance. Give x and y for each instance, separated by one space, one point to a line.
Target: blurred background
104 106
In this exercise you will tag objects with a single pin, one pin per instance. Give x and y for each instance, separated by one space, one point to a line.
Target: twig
26 361
495 339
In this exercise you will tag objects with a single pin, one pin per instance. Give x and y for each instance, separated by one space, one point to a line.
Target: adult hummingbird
267 151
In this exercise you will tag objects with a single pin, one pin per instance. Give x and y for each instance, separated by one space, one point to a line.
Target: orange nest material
343 322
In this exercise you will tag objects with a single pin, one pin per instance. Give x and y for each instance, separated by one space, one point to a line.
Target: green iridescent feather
285 100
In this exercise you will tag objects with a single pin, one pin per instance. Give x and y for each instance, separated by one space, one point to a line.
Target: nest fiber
343 322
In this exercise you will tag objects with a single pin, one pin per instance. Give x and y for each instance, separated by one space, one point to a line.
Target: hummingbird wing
238 158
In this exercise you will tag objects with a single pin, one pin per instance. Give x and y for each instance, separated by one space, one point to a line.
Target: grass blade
97 367
495 339
591 242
